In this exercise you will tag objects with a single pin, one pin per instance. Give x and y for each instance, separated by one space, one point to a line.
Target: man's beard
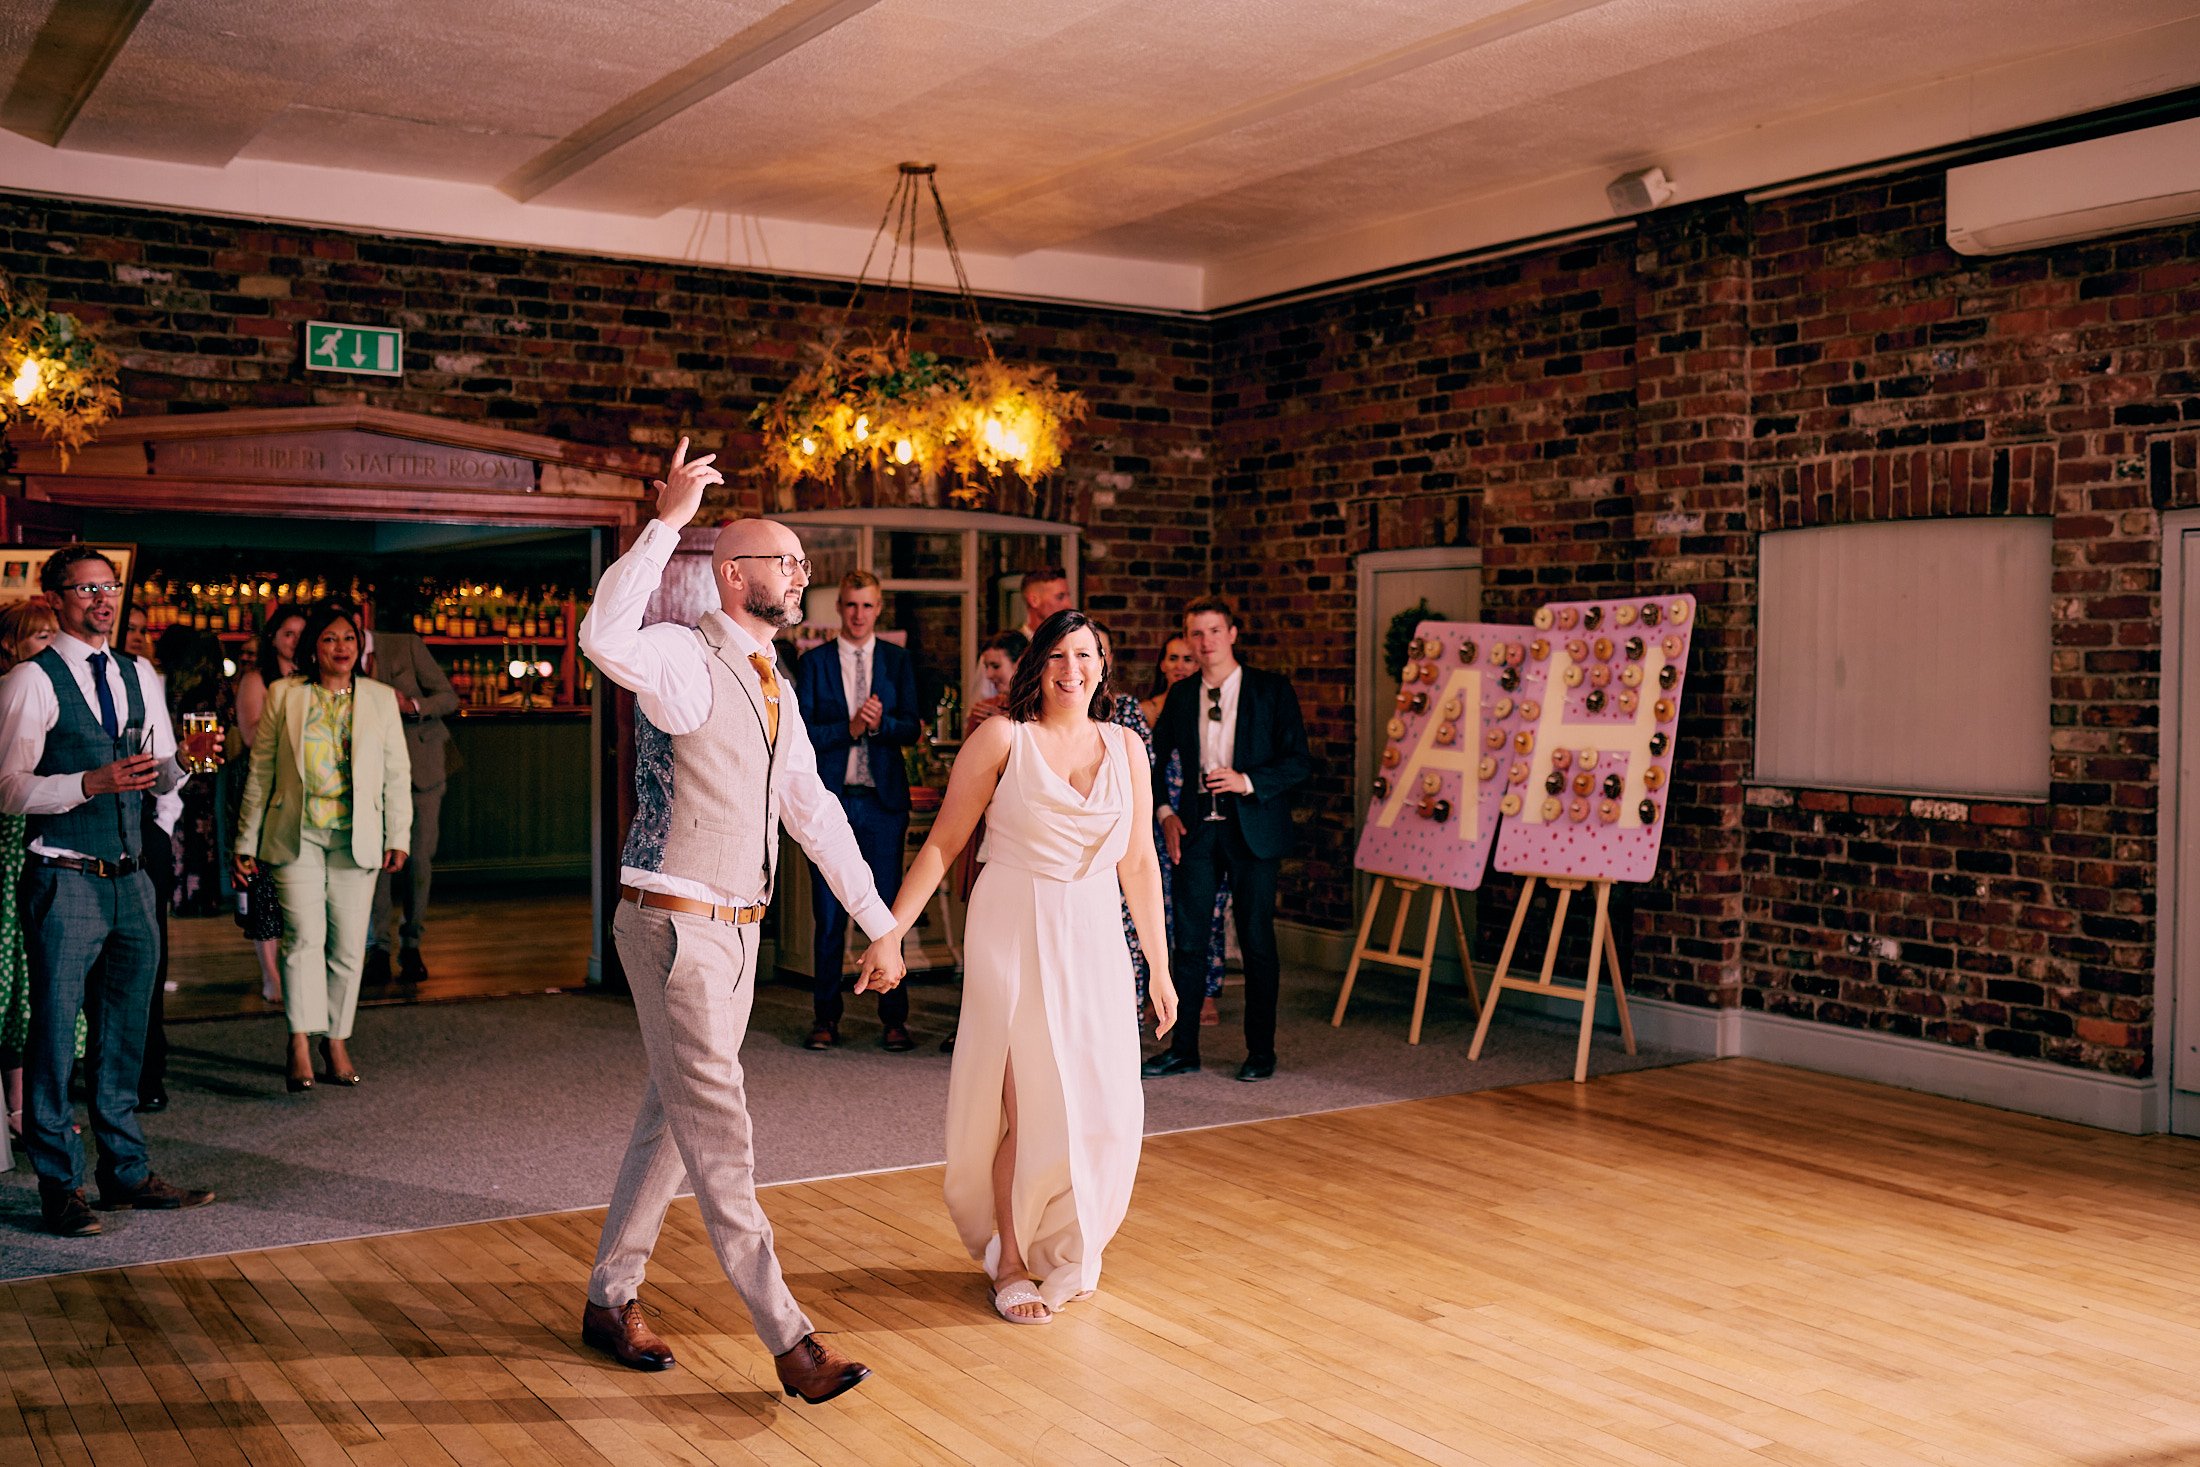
777 612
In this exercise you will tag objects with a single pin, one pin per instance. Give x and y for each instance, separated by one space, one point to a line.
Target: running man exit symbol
375 351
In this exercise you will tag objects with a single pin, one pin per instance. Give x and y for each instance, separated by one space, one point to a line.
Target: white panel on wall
1909 656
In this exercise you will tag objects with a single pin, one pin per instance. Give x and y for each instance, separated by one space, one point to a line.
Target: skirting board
2032 1086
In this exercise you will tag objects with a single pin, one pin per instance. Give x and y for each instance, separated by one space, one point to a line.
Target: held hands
133 772
883 967
1161 993
680 492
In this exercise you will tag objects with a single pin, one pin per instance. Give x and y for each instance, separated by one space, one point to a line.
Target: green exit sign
377 351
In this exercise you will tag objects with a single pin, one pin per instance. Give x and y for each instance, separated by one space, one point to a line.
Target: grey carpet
522 1105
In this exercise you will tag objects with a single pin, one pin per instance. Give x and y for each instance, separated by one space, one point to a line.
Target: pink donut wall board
1564 763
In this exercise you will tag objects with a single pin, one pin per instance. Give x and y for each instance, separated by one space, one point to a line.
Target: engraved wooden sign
340 457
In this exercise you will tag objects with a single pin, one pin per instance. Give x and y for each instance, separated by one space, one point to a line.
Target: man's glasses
88 589
1214 705
787 563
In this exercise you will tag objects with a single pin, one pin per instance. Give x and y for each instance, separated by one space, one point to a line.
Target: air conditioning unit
2112 185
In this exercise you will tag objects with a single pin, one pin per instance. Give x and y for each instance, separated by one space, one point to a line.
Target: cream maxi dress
1047 979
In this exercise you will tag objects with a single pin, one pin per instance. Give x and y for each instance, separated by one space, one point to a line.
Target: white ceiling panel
1198 132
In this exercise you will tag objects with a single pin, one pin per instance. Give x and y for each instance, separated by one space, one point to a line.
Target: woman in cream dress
1044 1111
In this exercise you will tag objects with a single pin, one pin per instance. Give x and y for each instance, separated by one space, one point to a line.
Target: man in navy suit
1239 735
859 700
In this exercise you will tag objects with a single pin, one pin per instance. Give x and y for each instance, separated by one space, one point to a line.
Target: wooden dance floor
1718 1263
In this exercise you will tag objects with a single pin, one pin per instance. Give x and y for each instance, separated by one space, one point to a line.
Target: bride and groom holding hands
1045 1116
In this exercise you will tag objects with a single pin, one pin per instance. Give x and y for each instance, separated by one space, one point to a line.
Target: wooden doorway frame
460 473
2177 825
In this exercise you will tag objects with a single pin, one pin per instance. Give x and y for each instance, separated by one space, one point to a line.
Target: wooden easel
1397 957
1603 955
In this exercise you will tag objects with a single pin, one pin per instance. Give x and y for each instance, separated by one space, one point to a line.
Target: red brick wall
1619 414
1631 414
206 314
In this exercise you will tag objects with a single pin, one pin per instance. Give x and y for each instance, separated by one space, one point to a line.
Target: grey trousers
71 922
401 901
693 982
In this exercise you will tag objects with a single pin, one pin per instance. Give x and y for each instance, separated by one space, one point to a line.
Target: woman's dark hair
191 663
1012 643
1161 668
1026 691
264 655
319 620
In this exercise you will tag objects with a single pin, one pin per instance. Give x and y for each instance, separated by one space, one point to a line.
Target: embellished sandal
1018 1295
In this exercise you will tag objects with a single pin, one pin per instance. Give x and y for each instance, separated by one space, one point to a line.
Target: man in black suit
859 700
1243 745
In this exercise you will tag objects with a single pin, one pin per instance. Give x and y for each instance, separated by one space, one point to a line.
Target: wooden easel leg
1359 950
1619 988
1466 957
1597 951
1504 966
1428 960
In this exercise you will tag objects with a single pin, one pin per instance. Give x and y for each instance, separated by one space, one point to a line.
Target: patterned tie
98 663
763 666
859 770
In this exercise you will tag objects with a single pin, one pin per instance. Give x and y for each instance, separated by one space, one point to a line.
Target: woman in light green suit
328 804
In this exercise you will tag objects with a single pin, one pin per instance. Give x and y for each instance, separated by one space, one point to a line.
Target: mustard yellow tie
764 675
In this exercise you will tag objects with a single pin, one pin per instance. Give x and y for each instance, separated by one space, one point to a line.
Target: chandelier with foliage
871 399
55 373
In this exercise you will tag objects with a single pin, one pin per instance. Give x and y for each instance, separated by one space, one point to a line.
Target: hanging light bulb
809 448
27 381
904 451
863 429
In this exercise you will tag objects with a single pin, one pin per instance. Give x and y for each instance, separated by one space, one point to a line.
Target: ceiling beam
70 54
1490 29
784 30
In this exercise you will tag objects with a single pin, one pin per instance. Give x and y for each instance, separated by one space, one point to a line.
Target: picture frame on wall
22 565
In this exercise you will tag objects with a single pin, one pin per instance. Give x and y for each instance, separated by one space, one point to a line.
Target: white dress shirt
1217 741
29 708
859 757
667 669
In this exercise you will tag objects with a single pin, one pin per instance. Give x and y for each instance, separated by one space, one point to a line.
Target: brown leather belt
666 901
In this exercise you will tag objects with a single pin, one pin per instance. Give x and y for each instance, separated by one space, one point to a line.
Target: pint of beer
195 724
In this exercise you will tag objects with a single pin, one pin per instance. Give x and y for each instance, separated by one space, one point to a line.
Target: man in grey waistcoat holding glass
84 740
721 760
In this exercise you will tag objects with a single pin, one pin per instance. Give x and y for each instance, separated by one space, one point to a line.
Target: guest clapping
328 804
997 665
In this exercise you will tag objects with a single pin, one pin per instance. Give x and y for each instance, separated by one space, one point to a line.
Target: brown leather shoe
625 1336
821 1038
64 1212
151 1195
817 1372
896 1041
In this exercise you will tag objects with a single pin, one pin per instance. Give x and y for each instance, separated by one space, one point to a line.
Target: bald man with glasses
85 739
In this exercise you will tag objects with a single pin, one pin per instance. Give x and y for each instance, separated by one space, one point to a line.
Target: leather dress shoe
1257 1069
411 967
896 1041
375 971
1168 1062
817 1372
64 1213
625 1336
821 1038
154 1104
151 1195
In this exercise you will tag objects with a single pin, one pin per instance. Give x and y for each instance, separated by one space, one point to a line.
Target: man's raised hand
680 493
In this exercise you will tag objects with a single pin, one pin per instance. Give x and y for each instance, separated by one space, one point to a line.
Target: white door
1449 579
2180 823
